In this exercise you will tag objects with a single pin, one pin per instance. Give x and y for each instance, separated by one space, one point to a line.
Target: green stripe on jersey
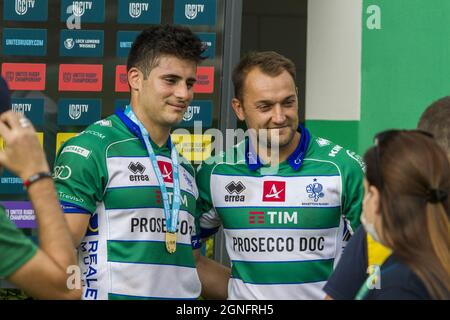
150 253
143 197
129 148
112 296
280 217
309 168
282 272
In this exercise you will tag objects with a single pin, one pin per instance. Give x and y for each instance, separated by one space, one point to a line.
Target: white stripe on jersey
119 174
144 280
295 191
144 226
287 245
238 290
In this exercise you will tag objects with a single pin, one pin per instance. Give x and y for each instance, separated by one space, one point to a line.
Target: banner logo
22 6
121 84
195 12
24 76
80 77
205 80
136 8
75 110
189 114
33 109
191 10
80 7
69 43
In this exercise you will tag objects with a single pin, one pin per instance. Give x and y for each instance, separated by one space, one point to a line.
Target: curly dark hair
156 41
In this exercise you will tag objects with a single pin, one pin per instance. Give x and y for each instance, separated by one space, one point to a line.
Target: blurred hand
23 155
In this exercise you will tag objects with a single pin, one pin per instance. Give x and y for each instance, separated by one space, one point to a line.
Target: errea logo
137 169
274 191
235 189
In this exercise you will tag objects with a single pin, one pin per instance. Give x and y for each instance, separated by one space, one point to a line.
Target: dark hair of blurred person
406 206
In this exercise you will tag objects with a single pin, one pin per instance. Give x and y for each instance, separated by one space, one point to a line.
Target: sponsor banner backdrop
79 112
124 42
24 76
83 11
21 213
24 42
10 183
25 10
81 43
80 77
195 12
208 39
205 80
33 109
198 110
62 137
121 103
121 83
142 12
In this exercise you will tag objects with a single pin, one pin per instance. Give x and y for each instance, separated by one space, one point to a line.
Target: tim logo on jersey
274 191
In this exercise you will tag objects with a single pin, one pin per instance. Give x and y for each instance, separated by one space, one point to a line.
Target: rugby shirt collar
295 160
134 128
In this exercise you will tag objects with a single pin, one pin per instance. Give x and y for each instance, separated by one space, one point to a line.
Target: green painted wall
343 133
405 64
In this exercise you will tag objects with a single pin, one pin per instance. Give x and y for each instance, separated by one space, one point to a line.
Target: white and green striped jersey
106 172
284 232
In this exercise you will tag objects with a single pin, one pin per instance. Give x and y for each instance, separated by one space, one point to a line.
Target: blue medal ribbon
171 215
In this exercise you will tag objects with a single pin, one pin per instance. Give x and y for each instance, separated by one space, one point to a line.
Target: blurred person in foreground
364 254
41 271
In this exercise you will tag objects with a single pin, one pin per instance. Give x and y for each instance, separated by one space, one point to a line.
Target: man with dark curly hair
129 197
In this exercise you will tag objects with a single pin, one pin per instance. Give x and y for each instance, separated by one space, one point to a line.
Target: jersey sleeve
353 189
80 175
209 219
15 248
350 272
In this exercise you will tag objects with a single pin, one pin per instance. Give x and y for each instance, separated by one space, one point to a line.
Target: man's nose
278 114
182 91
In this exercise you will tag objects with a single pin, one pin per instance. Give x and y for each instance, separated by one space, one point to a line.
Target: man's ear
238 109
135 77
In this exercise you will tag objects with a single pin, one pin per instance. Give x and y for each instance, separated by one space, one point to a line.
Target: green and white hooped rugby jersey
284 232
106 172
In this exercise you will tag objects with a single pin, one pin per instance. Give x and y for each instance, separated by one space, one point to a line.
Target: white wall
333 68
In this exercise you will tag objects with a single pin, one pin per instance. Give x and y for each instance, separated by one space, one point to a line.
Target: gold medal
171 242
